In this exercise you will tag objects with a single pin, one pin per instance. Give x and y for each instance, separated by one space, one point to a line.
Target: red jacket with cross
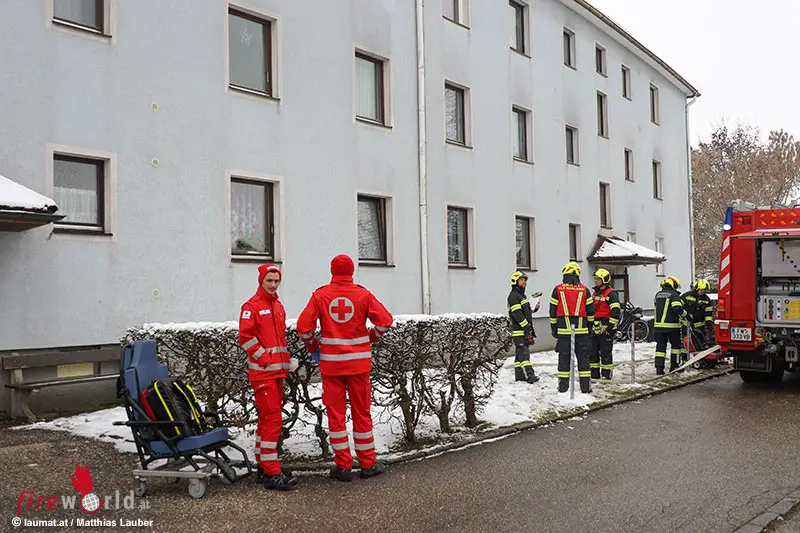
262 334
342 308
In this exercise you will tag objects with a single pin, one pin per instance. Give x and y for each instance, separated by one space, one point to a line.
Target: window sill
456 22
661 275
603 136
527 269
80 27
518 52
375 264
371 122
571 164
657 198
77 230
603 74
253 259
629 180
628 98
523 161
458 144
461 267
655 123
571 66
253 92
606 227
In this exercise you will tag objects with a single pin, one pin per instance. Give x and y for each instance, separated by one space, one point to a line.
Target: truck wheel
749 376
775 376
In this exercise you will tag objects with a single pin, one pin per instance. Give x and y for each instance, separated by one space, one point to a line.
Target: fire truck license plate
741 334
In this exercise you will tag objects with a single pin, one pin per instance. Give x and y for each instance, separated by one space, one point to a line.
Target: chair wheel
197 488
697 365
139 488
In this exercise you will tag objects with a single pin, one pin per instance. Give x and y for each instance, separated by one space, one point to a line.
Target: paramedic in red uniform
262 334
345 362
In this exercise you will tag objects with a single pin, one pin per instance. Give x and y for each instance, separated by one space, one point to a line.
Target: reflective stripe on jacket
668 309
262 330
606 306
571 309
699 309
519 310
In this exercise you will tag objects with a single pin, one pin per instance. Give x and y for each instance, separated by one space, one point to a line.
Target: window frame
630 236
463 91
65 225
270 221
627 161
626 82
655 105
574 239
518 112
600 60
658 183
380 86
659 246
461 12
602 115
269 50
605 206
568 46
530 223
101 10
572 132
383 229
467 263
520 41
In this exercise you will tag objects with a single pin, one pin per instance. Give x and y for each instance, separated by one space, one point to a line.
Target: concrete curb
759 523
506 431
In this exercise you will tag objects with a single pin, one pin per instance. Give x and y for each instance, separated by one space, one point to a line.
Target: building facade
186 142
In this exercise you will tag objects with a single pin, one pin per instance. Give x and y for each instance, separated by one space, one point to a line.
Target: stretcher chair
196 458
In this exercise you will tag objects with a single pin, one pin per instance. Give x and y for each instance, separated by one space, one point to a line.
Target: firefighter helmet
516 276
571 268
671 281
702 285
604 275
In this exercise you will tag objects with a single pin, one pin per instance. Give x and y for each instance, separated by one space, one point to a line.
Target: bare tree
736 164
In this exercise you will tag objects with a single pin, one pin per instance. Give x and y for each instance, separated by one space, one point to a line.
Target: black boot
660 370
586 385
341 475
280 482
532 377
563 384
378 469
595 373
519 373
607 373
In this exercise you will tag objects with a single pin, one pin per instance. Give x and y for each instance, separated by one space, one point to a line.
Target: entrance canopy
616 251
22 208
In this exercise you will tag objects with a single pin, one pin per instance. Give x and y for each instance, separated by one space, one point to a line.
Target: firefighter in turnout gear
522 333
606 318
700 310
670 314
572 311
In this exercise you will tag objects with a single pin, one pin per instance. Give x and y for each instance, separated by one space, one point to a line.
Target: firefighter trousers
675 340
522 362
582 344
269 401
335 392
601 359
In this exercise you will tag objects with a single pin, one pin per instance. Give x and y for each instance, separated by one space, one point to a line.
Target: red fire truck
758 308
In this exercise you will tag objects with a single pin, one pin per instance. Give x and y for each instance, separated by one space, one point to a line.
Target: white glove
293 364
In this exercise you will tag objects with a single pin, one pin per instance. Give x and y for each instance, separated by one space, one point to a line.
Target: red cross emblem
341 309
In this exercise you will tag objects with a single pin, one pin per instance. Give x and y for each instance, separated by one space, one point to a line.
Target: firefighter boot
607 373
519 373
660 369
595 372
563 384
586 385
532 377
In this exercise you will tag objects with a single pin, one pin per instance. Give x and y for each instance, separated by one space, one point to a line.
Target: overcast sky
742 55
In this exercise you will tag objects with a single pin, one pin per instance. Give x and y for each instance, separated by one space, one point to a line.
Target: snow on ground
511 403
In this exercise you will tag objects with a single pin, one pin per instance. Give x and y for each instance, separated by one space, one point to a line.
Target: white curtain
248 218
80 205
370 232
366 89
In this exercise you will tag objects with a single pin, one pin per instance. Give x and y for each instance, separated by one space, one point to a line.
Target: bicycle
632 315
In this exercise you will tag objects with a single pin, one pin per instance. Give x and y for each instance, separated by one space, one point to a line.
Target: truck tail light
722 311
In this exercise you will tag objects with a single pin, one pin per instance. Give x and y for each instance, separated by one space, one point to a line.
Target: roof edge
692 90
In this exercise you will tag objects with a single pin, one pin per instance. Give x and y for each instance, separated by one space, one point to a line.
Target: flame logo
82 481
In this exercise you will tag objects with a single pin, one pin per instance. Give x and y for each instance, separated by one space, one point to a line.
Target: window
250 49
372 229
657 186
525 243
660 249
520 127
87 14
518 12
454 114
626 82
631 237
569 48
572 145
600 59
457 236
369 88
654 104
252 218
574 242
79 192
605 205
456 11
602 115
628 164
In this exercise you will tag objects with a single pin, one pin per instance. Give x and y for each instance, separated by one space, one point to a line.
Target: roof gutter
422 160
689 178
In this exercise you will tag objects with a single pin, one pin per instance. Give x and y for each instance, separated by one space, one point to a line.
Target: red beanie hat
264 269
342 265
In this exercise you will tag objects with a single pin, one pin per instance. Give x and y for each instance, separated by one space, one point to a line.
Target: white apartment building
444 145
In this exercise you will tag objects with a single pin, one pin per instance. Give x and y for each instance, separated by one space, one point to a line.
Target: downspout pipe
689 174
422 160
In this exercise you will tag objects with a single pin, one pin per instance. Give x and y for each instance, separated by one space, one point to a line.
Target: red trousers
269 400
335 390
